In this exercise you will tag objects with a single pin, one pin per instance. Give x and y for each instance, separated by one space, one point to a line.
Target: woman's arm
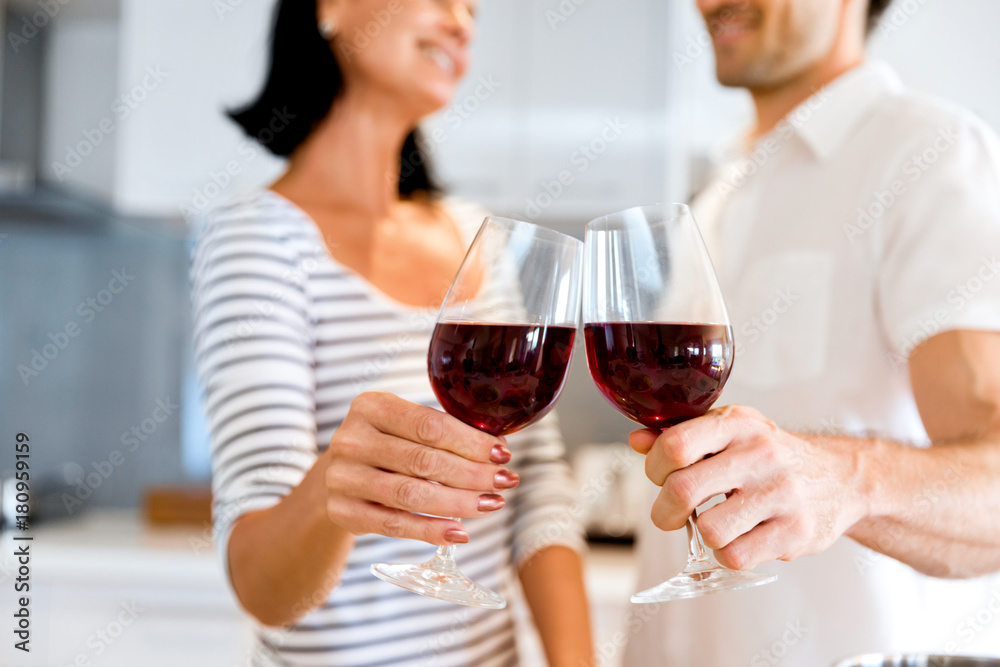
285 515
285 560
548 541
553 586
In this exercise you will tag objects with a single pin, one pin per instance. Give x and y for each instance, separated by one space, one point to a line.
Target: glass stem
696 549
444 558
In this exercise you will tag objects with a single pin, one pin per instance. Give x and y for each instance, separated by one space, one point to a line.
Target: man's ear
856 13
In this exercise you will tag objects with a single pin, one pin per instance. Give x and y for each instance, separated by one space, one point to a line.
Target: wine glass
498 359
659 346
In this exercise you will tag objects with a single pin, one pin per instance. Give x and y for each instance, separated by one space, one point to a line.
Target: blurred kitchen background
112 131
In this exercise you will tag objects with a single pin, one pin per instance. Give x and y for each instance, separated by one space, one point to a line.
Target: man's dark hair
303 80
875 10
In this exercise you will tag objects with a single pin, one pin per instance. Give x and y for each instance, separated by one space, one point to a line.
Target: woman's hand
384 458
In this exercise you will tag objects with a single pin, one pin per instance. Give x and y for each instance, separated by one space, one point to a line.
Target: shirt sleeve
545 510
939 267
254 359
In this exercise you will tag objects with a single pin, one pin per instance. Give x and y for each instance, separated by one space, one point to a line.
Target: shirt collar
829 117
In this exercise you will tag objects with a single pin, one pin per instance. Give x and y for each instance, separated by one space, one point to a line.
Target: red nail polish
505 479
500 454
456 536
490 502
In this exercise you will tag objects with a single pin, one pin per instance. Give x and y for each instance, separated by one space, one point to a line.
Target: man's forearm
553 586
935 509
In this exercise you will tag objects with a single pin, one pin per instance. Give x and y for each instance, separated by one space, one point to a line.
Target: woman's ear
328 14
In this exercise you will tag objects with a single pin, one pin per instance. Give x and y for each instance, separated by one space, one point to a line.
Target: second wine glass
659 346
498 359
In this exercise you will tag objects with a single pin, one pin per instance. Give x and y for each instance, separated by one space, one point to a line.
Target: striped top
285 338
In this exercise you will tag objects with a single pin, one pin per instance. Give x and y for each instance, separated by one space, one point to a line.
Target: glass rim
541 233
700 323
615 221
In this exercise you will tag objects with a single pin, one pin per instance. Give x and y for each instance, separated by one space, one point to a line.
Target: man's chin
730 78
746 76
732 83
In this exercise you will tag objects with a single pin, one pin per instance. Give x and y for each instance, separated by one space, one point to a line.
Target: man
857 238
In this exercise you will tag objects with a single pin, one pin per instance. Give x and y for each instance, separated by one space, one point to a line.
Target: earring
327 28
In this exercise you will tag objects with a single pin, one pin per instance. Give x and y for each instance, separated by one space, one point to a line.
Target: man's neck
774 103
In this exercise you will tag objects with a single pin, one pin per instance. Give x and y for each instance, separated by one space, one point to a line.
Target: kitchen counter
611 581
107 590
119 544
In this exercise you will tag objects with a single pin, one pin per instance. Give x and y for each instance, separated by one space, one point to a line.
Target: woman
314 303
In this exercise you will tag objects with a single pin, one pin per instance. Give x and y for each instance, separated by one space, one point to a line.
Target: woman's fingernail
500 454
456 536
490 502
505 479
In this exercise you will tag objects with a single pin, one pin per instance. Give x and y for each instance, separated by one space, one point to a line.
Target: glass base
439 578
702 577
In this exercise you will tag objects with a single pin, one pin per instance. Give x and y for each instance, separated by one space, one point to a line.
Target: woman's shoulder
261 211
259 227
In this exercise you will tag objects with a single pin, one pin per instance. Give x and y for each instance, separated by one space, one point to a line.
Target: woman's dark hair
875 10
303 81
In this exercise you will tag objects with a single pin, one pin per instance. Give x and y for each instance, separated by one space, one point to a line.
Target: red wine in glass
659 374
660 347
498 359
499 377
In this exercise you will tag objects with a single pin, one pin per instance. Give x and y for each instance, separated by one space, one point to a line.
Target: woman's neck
351 161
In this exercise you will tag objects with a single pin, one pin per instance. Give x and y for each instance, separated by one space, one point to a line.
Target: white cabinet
107 591
574 122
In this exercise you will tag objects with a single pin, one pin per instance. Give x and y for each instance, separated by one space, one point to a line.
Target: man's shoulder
912 116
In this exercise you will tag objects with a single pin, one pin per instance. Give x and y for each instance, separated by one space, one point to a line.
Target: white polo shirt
868 221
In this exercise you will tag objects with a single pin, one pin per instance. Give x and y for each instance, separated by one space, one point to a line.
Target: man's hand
786 495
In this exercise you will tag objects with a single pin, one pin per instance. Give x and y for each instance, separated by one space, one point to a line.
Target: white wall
79 133
569 79
177 144
137 90
704 115
948 48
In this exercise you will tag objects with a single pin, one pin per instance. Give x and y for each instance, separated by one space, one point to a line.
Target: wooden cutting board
178 505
